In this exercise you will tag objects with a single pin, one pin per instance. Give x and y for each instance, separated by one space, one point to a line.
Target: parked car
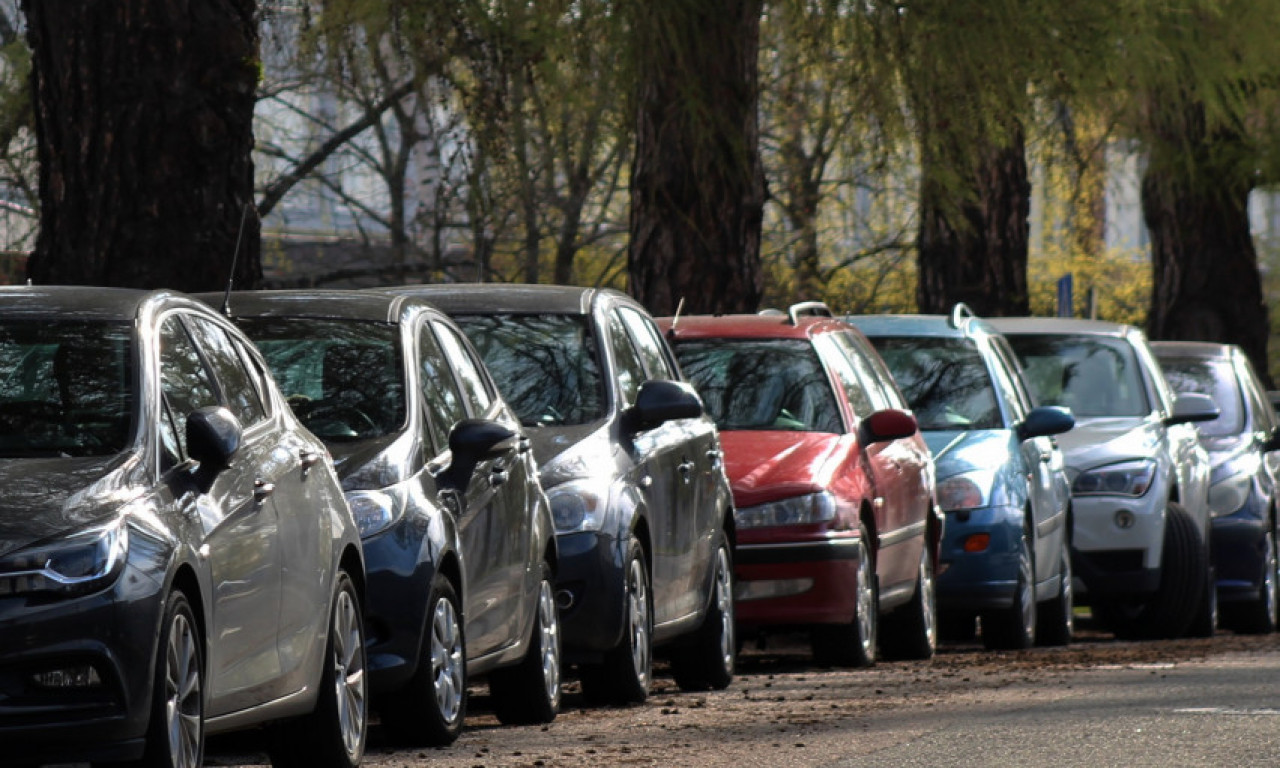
176 558
1242 444
832 483
1139 477
633 468
1001 480
457 533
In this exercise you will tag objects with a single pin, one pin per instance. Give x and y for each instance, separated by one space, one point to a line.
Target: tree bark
144 126
1205 283
698 186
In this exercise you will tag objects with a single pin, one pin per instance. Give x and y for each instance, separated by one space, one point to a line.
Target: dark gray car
176 557
633 468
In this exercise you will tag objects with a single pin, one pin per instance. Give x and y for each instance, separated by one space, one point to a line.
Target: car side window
648 342
1264 416
474 390
440 393
238 388
185 383
854 386
630 369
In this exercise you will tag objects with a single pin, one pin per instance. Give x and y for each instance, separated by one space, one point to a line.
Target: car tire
1204 621
627 671
530 691
430 710
1056 623
177 700
707 663
911 632
333 734
1014 628
853 644
1259 616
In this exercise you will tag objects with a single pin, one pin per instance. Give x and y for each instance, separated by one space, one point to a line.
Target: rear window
1215 378
945 380
1091 375
765 384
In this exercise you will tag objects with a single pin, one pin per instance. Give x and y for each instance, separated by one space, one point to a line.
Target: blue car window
766 384
1216 379
944 380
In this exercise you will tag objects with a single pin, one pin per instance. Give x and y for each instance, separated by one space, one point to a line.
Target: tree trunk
144 124
698 186
974 205
1205 282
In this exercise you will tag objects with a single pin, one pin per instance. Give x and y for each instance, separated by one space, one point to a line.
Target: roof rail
808 309
770 311
959 313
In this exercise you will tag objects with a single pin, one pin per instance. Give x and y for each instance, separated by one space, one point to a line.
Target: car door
240 543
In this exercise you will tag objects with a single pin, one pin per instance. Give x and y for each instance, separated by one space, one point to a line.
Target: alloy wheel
349 672
184 703
448 664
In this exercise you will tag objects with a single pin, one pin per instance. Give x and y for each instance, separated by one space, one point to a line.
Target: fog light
1124 519
82 676
977 542
761 590
564 600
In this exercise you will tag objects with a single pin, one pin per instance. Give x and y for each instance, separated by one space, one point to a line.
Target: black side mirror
1046 420
213 438
473 440
659 401
1190 407
886 425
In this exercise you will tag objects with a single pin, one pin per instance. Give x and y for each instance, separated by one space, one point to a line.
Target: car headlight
967 491
1227 496
375 511
76 564
579 505
1125 478
797 510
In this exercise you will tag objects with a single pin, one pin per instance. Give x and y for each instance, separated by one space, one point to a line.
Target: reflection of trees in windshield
1093 376
545 365
64 388
343 378
1216 379
944 380
761 384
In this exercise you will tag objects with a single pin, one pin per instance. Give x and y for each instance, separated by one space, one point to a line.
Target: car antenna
675 319
235 256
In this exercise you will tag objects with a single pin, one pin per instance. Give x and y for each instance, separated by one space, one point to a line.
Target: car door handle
498 476
309 458
715 456
1045 458
523 445
261 490
686 469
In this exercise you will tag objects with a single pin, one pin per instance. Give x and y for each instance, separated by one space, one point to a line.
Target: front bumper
1110 558
1238 545
796 583
590 592
981 580
398 575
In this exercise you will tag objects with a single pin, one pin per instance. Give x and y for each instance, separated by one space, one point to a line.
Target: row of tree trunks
144 124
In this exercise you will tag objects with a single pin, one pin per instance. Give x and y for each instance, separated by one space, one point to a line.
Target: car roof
318 303
1068 326
770 326
514 298
921 325
80 301
1198 349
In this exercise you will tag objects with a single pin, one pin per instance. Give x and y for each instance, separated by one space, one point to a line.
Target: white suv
1139 478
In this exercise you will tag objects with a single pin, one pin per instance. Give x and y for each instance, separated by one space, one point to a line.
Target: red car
832 483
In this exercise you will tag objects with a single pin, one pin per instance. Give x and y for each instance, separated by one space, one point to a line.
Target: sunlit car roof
75 301
460 298
327 303
752 326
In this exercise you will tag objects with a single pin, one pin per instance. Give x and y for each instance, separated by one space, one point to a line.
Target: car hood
765 465
958 451
569 453
376 463
1097 441
48 496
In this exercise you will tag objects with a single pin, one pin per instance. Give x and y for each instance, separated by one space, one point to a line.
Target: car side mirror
660 401
886 425
1191 407
473 440
1046 420
213 438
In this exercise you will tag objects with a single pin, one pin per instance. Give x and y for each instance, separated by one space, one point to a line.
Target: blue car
1242 445
1001 481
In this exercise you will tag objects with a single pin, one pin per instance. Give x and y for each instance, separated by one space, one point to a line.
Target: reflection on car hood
569 452
1097 441
49 496
765 465
958 451
376 463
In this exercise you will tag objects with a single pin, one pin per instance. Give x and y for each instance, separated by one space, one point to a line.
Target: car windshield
768 384
1091 375
65 388
1215 378
944 380
545 365
343 378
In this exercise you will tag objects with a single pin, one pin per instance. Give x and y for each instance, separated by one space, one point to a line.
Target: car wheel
333 735
627 671
1204 621
708 662
1014 628
1057 623
911 632
1258 617
853 644
430 710
530 691
175 734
